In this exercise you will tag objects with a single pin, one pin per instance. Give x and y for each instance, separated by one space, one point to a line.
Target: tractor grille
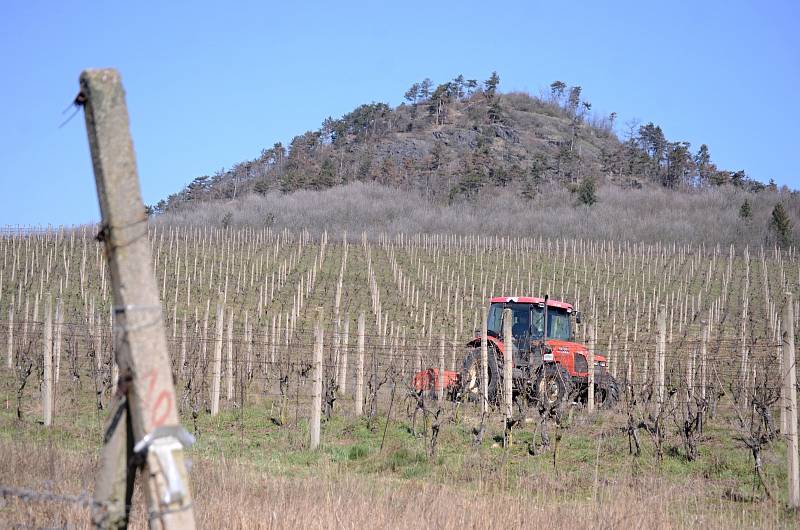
580 363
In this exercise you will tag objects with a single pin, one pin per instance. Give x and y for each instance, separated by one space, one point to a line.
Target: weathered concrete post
344 340
662 351
216 363
316 383
508 362
57 334
149 403
229 358
10 356
440 379
47 387
590 368
790 393
484 361
359 399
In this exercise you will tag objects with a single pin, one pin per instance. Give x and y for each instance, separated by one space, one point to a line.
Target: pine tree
491 84
495 112
471 183
557 91
704 167
412 94
529 189
459 87
261 186
587 194
425 89
781 226
326 176
574 100
499 176
746 211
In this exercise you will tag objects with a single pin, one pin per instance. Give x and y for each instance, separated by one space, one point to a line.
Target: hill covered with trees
464 140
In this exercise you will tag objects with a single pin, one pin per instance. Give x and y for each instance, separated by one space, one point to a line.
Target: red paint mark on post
160 410
161 407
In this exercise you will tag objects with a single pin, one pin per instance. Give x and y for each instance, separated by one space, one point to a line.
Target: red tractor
548 366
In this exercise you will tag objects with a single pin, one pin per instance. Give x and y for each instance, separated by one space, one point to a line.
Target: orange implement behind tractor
429 380
548 365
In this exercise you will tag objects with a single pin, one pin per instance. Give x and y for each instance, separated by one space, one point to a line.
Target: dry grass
230 495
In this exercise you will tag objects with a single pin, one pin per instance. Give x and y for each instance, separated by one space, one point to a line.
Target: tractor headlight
548 357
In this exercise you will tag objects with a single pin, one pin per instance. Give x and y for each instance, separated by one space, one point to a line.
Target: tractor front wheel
471 374
553 386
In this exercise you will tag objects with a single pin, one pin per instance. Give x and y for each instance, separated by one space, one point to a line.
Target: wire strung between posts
83 500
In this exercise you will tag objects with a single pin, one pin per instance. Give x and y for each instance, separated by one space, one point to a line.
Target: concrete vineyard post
484 361
274 340
47 388
182 359
508 361
703 366
662 350
440 376
248 337
454 351
204 336
10 354
790 393
359 398
345 338
590 368
229 358
782 397
216 364
59 328
316 383
143 361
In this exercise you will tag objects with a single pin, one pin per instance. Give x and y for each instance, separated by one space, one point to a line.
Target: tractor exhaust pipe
544 332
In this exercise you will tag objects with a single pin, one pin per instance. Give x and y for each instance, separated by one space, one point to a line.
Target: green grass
591 449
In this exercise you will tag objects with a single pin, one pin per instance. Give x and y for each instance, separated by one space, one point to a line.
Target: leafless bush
650 214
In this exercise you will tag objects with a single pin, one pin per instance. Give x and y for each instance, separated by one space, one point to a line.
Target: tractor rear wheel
471 376
553 386
607 394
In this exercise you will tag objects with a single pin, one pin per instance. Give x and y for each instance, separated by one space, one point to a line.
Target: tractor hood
560 347
567 347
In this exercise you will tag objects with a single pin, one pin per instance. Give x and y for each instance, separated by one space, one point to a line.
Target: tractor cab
530 319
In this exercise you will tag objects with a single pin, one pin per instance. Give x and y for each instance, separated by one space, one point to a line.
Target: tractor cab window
537 324
529 321
558 324
521 323
495 319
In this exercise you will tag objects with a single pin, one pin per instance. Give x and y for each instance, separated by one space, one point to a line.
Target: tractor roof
530 300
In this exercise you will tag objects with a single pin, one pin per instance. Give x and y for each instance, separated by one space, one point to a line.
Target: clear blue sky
210 84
